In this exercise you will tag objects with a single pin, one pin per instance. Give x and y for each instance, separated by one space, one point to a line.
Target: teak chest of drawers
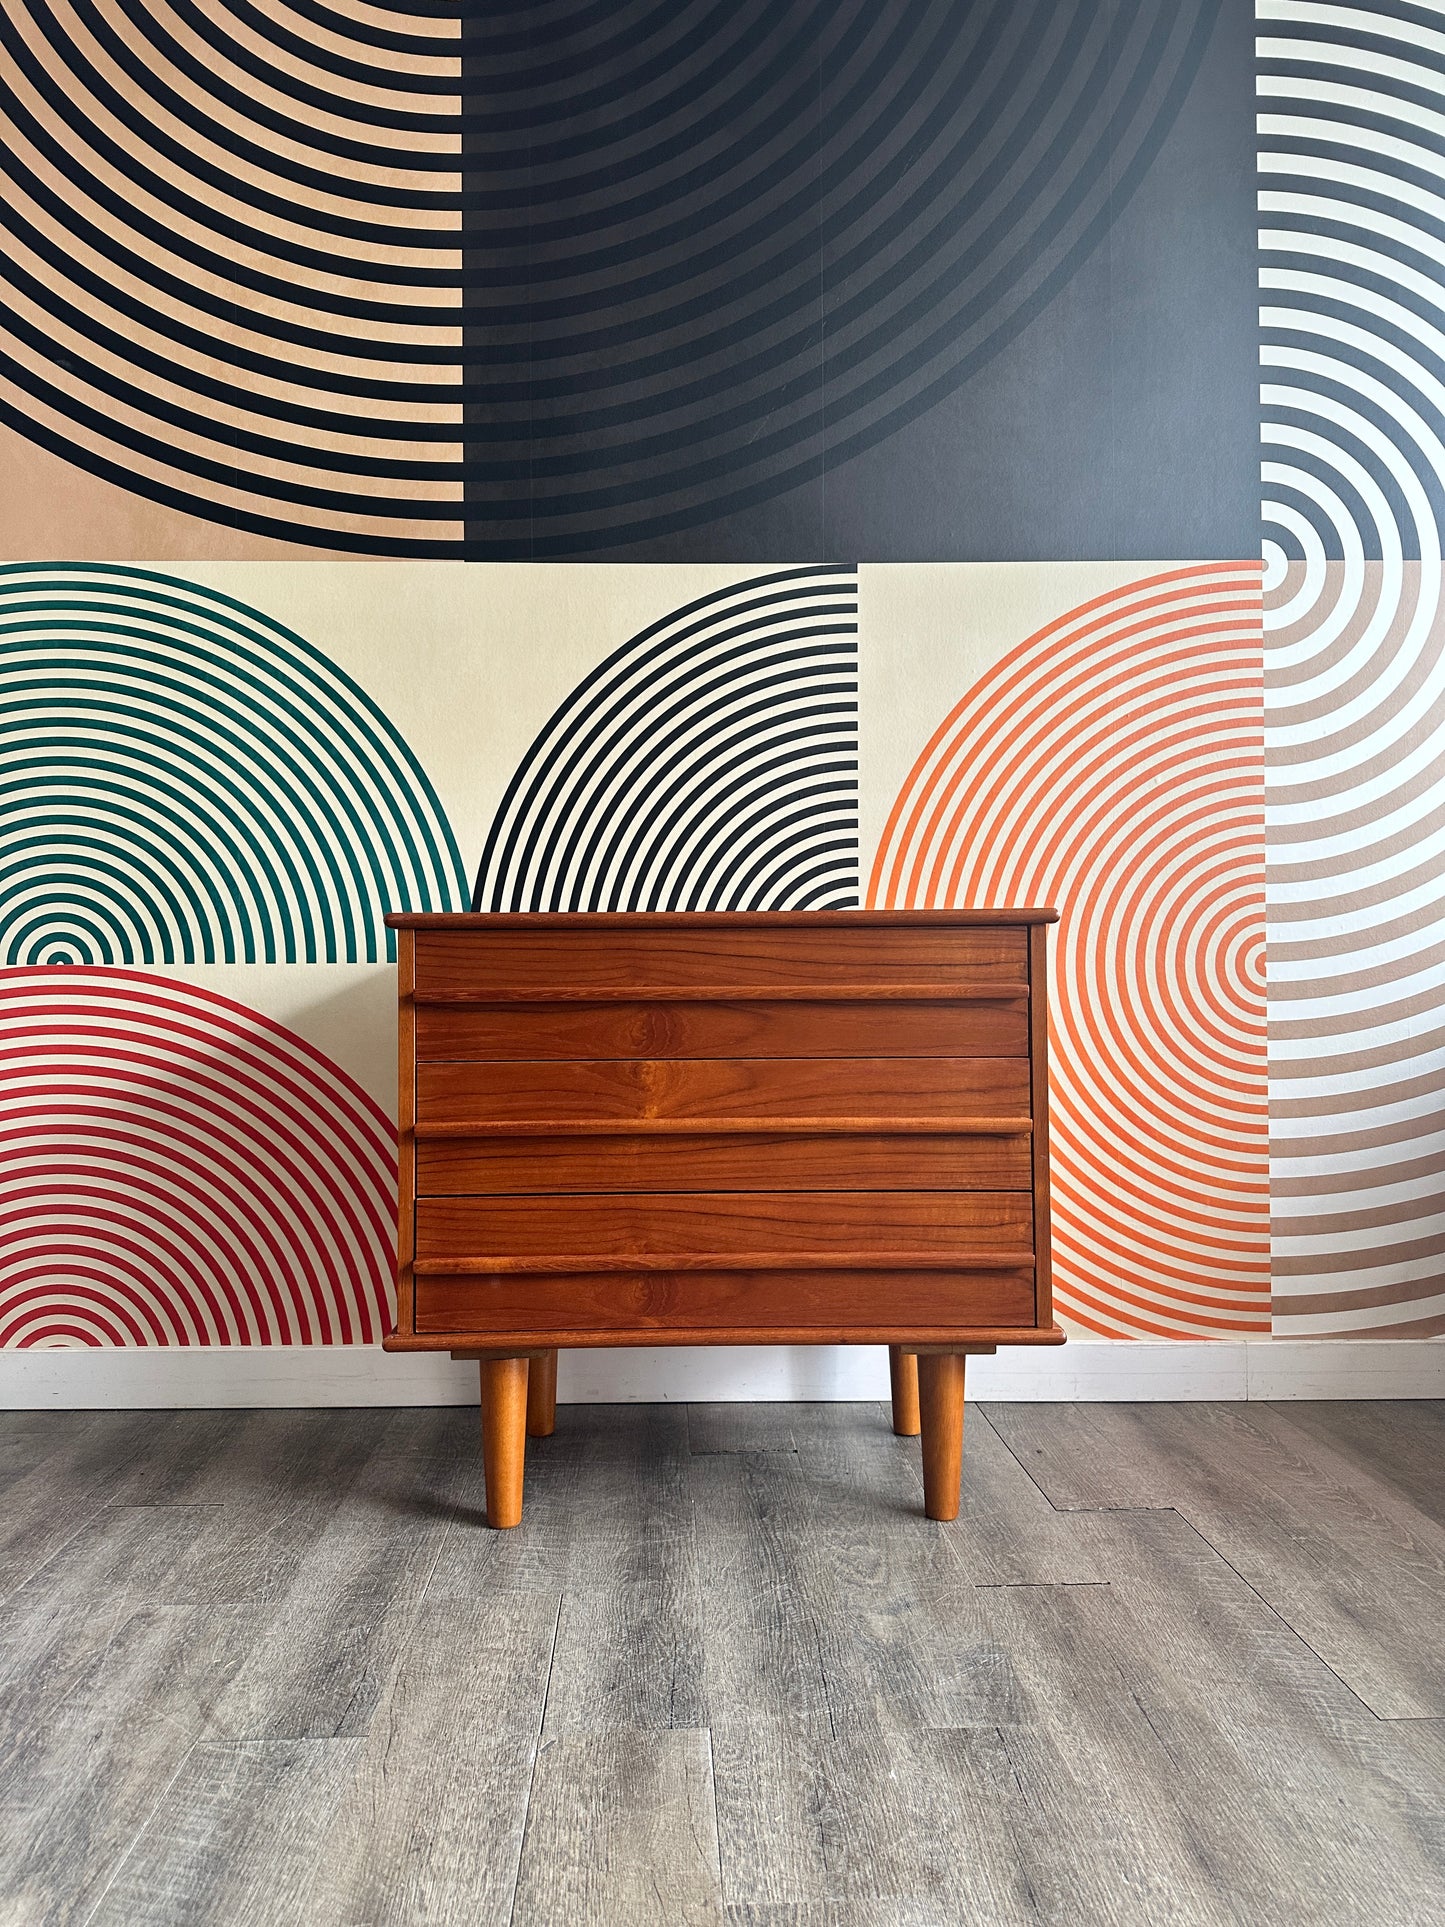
811 1129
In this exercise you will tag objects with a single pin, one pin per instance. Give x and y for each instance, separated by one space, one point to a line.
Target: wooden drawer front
504 962
721 1161
723 1300
701 1090
656 1230
997 1027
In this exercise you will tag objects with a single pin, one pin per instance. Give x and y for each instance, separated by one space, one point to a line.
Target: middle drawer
634 1158
881 1090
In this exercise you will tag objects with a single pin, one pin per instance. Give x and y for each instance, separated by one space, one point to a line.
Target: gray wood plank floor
1178 1664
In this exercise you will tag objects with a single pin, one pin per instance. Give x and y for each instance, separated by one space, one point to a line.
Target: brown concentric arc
232 260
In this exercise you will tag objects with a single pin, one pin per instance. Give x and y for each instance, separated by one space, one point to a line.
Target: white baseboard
1083 1370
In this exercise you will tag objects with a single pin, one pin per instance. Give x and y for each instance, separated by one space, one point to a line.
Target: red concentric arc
1112 764
180 1170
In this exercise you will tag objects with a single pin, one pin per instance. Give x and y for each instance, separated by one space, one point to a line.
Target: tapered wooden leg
504 1437
542 1395
903 1379
940 1406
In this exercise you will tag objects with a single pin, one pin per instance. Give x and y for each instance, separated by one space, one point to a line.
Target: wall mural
456 453
548 281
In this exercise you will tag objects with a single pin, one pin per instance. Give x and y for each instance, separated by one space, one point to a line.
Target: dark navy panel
1353 259
886 278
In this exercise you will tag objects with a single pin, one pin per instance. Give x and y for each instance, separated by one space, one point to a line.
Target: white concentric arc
1352 135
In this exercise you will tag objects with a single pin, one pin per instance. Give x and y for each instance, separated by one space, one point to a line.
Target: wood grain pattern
1039 1104
940 1410
646 1853
102 1701
737 1161
991 1027
504 1437
490 960
723 1130
453 1754
571 1303
1319 1538
320 1661
670 1229
406 1106
1028 1715
903 1391
885 1089
236 1836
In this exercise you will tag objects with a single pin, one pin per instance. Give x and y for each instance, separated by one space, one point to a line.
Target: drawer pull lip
964 1259
1011 991
708 1126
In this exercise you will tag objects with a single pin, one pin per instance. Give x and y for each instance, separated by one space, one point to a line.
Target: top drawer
988 1026
553 965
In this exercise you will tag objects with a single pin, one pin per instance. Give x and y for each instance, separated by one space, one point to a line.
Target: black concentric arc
711 763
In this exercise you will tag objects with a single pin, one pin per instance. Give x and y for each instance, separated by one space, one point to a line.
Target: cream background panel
347 1010
468 659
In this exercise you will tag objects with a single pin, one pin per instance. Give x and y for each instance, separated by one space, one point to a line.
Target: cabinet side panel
1039 1074
406 1122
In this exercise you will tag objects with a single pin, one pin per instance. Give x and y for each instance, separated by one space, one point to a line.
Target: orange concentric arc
1112 764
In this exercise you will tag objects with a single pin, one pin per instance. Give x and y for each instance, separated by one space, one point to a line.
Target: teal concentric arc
183 780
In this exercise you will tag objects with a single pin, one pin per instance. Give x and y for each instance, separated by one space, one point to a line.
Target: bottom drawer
683 1301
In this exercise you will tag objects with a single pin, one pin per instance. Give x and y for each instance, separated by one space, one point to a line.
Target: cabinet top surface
713 919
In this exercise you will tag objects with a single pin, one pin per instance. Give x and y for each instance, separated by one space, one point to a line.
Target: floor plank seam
1271 1608
536 1757
141 1831
722 1885
1063 1511
1108 1511
6 1598
1035 1585
1182 1754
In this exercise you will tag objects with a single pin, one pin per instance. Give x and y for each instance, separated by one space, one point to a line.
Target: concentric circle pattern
179 1170
537 280
233 258
1111 764
1353 213
184 780
711 763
